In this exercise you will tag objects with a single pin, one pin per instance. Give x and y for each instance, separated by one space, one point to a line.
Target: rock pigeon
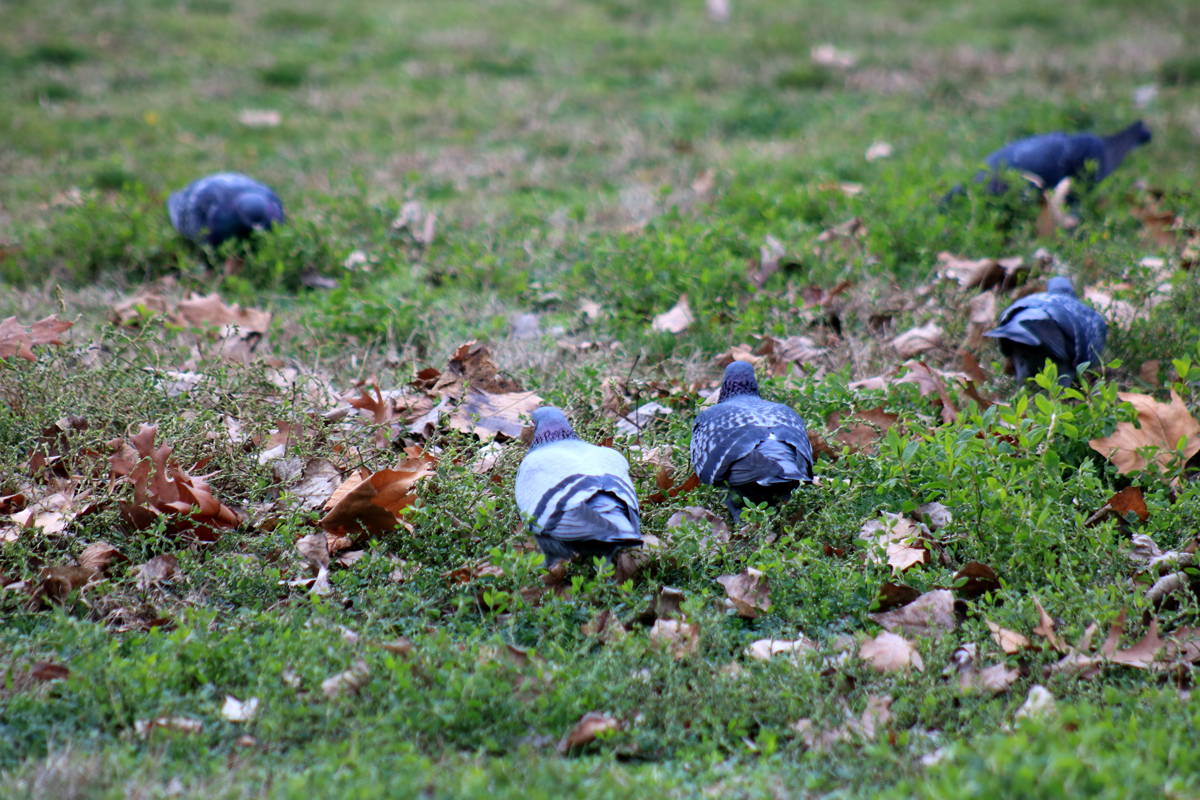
1053 324
757 448
223 206
577 497
1054 156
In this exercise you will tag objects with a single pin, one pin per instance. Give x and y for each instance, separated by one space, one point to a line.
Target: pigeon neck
735 387
1121 144
545 434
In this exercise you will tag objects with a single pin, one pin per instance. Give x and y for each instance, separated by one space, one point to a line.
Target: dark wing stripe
584 484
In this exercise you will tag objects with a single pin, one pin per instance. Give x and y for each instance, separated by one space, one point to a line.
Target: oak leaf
1164 426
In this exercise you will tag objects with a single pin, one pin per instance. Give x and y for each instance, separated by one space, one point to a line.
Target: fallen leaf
715 531
844 239
996 679
630 560
748 592
99 556
591 725
677 320
826 55
902 540
371 505
978 580
1039 703
491 415
861 430
1010 641
184 725
680 638
718 10
160 569
764 649
981 273
1143 654
349 682
235 710
1162 425
17 340
472 365
931 613
317 482
1045 627
256 118
889 652
918 340
878 150
604 626
45 672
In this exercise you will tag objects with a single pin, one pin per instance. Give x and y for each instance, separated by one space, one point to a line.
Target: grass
565 149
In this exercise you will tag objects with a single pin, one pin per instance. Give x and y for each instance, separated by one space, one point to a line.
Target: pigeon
223 206
577 497
1051 157
757 448
1053 324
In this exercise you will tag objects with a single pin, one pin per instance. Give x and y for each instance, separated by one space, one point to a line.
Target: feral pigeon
1054 156
223 206
757 448
577 497
1053 324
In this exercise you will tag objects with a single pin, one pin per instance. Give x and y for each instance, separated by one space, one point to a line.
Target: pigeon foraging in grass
1051 157
227 205
577 497
757 448
1054 325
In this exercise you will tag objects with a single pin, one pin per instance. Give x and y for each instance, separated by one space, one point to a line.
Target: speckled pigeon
1053 324
757 448
577 497
223 206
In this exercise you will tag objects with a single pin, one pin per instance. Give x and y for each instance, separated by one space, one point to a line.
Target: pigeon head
739 380
549 425
255 211
1060 286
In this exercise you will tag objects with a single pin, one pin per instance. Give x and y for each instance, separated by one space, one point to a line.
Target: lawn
323 588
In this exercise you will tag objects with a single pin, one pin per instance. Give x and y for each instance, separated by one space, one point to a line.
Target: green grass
558 145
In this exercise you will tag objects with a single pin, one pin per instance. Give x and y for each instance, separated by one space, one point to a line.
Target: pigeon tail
1121 144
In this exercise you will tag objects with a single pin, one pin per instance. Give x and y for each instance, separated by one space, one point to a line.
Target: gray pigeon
1053 325
757 448
1054 156
577 497
223 206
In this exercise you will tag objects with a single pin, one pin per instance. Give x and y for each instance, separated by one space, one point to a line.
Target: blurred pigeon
577 497
757 448
1054 156
223 206
1053 324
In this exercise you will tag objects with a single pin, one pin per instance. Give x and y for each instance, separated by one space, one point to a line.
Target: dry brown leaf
489 416
764 649
57 583
748 592
1143 654
931 613
996 679
604 626
783 354
680 638
981 317
844 239
978 579
902 539
1039 703
878 150
17 340
317 482
982 273
716 533
677 320
99 556
1162 425
889 652
1045 627
826 55
861 430
918 340
586 730
630 560
184 725
235 710
160 569
1010 642
134 310
371 505
472 365
349 682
